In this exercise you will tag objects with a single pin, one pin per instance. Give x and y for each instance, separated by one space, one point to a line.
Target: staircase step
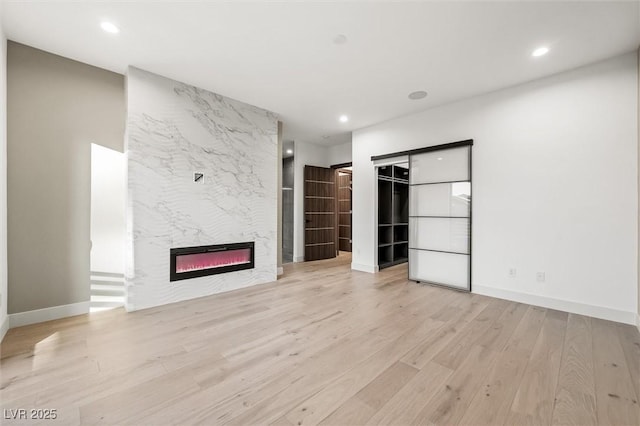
95 304
107 298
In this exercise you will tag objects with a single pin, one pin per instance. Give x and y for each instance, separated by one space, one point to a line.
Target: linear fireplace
192 262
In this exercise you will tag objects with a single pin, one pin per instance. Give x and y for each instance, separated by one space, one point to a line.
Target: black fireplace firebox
193 262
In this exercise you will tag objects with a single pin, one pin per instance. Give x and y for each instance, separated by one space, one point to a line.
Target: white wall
338 154
310 155
4 323
107 210
174 130
554 181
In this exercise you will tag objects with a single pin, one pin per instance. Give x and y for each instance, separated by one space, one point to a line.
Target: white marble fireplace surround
173 131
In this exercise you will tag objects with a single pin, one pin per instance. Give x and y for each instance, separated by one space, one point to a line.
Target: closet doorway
288 177
393 214
344 205
433 197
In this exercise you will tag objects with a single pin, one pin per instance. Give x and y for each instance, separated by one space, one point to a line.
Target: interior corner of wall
4 327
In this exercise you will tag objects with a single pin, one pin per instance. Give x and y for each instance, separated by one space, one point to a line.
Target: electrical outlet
540 276
512 272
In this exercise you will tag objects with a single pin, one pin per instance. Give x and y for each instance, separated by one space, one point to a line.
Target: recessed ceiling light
340 39
289 151
419 94
439 158
344 118
540 51
110 28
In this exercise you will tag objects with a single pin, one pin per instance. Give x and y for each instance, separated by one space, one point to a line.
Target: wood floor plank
324 402
450 404
382 335
15 387
86 389
360 408
42 356
281 421
526 333
407 403
304 382
133 404
352 412
424 352
383 387
575 393
492 401
616 400
629 338
497 335
533 402
273 393
453 354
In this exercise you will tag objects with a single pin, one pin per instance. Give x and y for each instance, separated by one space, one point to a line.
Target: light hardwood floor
325 345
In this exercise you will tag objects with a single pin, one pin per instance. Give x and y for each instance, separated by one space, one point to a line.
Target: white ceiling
282 56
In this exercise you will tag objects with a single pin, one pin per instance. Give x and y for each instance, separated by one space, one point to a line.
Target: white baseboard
297 259
558 304
364 268
638 321
280 270
48 314
4 327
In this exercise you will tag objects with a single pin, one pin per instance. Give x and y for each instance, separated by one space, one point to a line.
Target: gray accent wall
56 109
4 319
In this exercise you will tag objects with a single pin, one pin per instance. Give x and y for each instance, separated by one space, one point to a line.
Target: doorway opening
393 214
108 189
327 211
437 182
288 176
344 206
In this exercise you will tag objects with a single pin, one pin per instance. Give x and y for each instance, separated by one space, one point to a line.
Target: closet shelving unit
393 215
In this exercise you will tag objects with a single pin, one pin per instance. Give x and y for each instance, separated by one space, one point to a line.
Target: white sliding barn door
440 217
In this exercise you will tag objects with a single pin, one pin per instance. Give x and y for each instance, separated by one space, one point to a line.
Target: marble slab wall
173 131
